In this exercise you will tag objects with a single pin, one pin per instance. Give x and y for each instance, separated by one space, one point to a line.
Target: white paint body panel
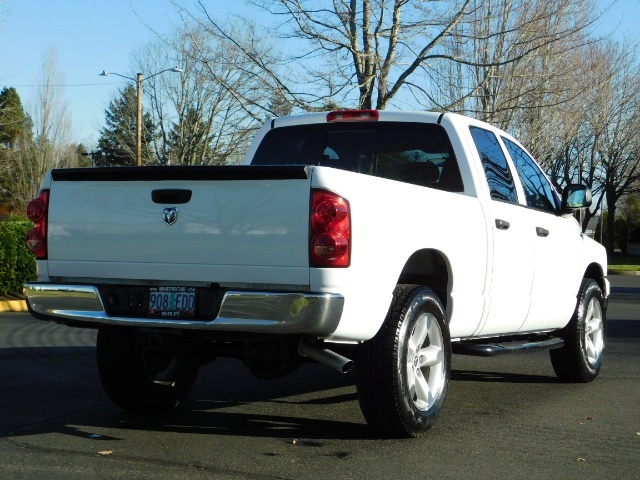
250 233
230 231
386 232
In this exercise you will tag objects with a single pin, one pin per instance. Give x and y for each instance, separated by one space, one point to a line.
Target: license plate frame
172 302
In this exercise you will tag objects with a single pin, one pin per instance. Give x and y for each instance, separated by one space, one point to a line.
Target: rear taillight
352 115
37 237
330 244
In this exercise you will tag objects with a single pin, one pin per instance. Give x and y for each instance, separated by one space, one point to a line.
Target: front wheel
403 372
139 379
580 359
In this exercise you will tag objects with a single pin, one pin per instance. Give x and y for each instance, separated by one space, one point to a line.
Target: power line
66 84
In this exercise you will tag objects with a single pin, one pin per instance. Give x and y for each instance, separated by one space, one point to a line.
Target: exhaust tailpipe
324 356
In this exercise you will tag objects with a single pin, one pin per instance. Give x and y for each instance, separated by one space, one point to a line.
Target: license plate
172 301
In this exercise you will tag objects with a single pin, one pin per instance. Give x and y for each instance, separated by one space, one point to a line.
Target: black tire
141 380
580 359
401 388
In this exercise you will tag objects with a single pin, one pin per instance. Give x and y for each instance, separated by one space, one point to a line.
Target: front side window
538 191
495 165
415 153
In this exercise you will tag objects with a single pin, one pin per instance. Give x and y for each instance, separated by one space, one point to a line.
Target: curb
630 273
13 303
13 306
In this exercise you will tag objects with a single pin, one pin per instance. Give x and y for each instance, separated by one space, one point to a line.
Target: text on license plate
172 301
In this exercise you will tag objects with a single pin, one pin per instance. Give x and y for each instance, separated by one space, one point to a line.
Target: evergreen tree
15 130
117 143
13 121
189 140
83 156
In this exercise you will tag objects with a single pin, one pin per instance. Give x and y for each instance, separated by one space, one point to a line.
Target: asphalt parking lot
505 417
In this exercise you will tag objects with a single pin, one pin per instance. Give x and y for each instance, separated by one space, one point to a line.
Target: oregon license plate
172 301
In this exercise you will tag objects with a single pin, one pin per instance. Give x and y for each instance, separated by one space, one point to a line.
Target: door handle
502 224
542 232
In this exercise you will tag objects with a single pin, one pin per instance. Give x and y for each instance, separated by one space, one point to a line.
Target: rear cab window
416 153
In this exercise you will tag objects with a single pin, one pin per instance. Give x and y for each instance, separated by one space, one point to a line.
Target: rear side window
415 153
495 166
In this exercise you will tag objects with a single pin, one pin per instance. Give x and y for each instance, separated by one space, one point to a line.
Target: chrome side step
500 348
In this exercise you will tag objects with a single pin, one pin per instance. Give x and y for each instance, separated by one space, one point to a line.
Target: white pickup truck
386 239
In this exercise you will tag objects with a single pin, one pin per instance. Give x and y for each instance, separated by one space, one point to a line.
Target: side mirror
575 197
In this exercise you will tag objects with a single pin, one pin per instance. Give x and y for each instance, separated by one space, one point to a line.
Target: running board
493 349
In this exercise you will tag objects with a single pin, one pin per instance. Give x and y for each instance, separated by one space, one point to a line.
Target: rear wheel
139 379
580 359
403 372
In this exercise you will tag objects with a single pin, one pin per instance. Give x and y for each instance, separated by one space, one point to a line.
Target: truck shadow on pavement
623 329
312 402
500 377
56 391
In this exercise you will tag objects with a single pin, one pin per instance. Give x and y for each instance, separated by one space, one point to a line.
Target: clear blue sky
94 35
89 36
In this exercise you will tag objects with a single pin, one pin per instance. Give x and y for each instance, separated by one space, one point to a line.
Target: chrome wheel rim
593 335
425 362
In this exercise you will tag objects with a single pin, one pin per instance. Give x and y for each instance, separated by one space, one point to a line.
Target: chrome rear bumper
240 311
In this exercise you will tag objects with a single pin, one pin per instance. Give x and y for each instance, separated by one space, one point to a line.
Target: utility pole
139 122
138 81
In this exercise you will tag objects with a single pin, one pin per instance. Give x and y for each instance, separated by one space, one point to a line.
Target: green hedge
17 264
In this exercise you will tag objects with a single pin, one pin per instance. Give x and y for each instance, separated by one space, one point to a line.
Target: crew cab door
557 244
511 272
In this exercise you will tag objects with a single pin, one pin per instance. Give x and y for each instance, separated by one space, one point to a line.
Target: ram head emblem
170 215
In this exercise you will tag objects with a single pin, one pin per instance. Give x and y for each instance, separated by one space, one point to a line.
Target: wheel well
429 268
594 271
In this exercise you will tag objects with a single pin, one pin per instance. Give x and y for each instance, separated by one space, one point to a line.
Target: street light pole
138 81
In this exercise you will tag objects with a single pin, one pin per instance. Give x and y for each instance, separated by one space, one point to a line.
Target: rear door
511 273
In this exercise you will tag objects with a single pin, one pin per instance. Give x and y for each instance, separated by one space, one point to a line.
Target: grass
624 263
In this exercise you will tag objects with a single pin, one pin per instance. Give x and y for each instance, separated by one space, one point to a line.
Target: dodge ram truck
380 239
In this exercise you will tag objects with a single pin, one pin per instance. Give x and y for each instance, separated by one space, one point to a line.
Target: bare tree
51 121
566 134
590 138
203 115
47 147
616 146
377 53
346 53
514 57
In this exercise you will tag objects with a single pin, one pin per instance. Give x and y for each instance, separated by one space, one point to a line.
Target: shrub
17 264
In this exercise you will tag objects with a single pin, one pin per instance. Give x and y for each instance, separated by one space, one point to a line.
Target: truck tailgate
213 224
